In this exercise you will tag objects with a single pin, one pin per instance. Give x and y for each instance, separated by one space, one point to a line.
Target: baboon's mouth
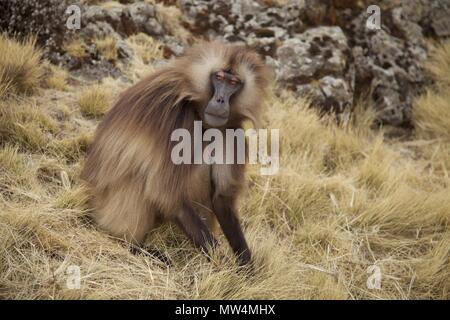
215 120
220 116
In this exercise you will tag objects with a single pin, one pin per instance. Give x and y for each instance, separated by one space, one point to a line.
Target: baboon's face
224 85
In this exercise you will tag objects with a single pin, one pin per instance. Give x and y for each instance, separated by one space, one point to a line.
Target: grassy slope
345 199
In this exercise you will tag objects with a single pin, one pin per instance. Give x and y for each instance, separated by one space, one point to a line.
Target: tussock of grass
75 47
25 125
171 19
13 169
20 66
439 64
432 114
94 101
109 3
431 111
345 199
57 79
107 47
73 148
147 50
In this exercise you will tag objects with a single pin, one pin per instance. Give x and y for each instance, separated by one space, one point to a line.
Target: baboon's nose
220 100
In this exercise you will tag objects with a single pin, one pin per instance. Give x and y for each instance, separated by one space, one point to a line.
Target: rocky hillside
322 49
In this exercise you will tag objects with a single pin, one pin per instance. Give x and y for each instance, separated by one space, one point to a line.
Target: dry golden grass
147 50
108 3
20 66
25 125
345 199
4 86
171 19
94 101
107 47
431 111
75 47
145 47
57 78
432 114
439 64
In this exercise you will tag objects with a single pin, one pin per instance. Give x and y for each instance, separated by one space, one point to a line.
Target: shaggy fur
129 169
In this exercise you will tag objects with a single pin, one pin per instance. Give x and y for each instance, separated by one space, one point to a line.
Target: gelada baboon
129 168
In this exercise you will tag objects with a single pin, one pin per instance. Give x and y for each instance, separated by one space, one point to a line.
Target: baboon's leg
124 213
231 227
195 229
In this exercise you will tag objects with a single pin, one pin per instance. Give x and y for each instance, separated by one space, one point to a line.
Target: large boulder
317 63
45 19
238 20
389 64
121 20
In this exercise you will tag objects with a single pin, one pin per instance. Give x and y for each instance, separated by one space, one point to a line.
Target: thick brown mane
147 112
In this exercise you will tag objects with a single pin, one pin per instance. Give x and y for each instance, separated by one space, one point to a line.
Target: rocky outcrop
318 48
123 20
22 18
323 49
389 64
317 63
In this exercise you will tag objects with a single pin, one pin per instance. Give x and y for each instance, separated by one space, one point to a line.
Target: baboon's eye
234 81
220 76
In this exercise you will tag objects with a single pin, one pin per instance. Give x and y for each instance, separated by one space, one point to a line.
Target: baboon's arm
195 229
231 227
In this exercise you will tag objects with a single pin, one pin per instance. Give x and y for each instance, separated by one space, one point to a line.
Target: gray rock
265 46
143 16
126 20
124 51
390 67
98 29
94 14
172 46
316 63
439 17
245 21
100 22
43 19
66 60
411 31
